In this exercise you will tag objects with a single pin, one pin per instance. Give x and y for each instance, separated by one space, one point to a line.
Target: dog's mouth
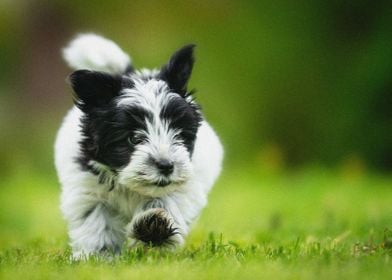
162 183
154 188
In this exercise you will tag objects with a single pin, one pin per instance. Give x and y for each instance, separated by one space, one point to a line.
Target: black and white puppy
135 156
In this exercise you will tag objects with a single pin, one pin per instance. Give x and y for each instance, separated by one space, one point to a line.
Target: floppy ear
94 89
178 70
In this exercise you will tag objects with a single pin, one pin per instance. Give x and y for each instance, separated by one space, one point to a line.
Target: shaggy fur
135 156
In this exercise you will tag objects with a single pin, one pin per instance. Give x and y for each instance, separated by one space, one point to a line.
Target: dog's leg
97 231
157 222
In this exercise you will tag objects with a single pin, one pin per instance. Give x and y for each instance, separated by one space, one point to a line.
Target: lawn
259 224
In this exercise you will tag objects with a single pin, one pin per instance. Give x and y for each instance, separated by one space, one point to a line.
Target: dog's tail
93 52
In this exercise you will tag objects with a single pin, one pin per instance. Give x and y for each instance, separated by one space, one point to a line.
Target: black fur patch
94 89
185 117
129 70
154 229
106 133
179 69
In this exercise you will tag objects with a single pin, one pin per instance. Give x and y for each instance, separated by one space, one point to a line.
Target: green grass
314 223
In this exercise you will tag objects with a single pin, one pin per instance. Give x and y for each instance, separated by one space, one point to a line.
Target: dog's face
140 127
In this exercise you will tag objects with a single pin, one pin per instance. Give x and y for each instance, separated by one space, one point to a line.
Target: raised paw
154 227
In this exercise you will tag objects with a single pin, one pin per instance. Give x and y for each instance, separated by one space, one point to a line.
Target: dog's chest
124 202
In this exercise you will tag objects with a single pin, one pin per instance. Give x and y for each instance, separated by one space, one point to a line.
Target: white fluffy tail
93 52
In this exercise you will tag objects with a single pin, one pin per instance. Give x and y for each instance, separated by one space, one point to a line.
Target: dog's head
139 127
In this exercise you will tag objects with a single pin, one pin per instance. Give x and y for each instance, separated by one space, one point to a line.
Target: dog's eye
135 139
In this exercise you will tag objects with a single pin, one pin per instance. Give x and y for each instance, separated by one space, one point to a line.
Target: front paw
156 228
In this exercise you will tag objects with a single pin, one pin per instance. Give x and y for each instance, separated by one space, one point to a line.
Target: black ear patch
178 70
94 89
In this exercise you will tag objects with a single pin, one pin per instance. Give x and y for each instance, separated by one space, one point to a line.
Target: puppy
135 156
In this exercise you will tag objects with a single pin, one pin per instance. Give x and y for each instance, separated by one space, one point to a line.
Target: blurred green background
307 81
288 85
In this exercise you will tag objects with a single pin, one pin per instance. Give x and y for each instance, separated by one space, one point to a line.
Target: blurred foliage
306 81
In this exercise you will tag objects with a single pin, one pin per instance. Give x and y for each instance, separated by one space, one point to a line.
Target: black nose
165 166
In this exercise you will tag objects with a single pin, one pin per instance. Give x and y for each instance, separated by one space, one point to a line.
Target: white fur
161 144
92 52
112 214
